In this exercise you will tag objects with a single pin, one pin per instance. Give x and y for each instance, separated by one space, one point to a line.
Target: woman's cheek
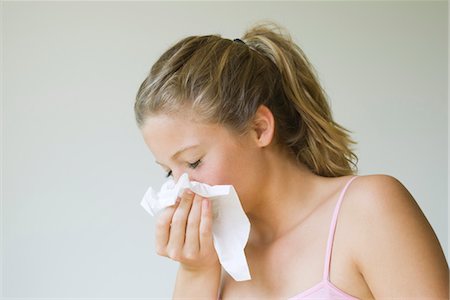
213 173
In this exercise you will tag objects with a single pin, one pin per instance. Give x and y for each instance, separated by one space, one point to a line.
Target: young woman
251 113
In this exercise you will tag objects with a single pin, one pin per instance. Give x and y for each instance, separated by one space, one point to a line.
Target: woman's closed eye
191 165
194 165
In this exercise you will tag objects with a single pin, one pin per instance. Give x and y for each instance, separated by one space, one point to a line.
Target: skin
383 247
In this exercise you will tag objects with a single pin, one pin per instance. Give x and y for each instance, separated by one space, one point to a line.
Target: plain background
75 167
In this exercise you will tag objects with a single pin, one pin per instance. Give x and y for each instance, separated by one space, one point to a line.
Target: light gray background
74 165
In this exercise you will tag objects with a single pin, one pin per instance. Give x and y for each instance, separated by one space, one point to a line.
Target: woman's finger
192 243
163 229
178 226
206 239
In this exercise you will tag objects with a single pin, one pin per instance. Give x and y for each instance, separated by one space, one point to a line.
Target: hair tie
239 41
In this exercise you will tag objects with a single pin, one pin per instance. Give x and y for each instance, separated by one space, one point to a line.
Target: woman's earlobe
264 126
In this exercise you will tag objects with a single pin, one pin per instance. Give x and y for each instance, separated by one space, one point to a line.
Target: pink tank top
325 289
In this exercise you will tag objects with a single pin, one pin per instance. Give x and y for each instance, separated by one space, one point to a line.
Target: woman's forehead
178 131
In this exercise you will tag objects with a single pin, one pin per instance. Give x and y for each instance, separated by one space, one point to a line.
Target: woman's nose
177 174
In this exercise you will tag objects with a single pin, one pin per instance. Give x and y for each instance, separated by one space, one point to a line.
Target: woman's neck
289 193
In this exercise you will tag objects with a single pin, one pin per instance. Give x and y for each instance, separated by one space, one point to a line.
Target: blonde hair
225 81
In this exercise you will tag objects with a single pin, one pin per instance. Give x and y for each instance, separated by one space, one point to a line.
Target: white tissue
231 226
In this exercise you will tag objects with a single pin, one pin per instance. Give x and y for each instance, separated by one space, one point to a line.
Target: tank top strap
326 270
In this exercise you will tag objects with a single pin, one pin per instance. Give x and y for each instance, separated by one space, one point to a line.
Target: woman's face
209 153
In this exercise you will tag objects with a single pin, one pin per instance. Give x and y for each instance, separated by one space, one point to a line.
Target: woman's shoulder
370 203
380 198
379 190
374 195
382 201
391 235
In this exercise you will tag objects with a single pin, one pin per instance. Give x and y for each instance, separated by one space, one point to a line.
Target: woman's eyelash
192 166
195 165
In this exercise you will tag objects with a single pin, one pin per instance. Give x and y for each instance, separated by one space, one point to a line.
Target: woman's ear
264 126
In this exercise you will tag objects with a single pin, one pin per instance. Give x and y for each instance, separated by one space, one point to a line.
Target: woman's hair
224 82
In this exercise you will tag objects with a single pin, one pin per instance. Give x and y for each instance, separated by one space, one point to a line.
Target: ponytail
318 142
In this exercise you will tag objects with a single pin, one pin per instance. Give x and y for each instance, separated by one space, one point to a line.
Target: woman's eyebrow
179 152
182 150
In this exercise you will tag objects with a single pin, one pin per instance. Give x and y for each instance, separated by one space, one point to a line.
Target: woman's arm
398 252
184 234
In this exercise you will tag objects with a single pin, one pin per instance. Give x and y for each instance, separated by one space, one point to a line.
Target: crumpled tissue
231 226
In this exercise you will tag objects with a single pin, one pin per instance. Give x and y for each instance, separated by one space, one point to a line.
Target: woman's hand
184 233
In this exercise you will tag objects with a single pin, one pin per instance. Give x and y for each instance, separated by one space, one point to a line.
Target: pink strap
326 270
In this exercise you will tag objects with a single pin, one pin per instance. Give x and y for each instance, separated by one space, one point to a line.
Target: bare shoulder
395 248
385 196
